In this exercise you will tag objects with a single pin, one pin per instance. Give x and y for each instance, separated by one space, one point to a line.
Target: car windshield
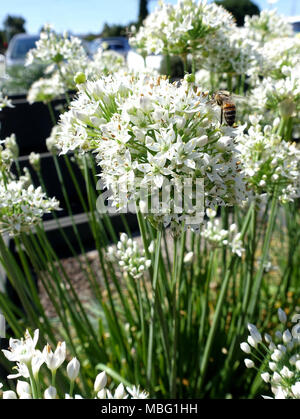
115 47
296 26
22 46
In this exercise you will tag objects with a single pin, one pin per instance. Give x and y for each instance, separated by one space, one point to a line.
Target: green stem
51 112
152 311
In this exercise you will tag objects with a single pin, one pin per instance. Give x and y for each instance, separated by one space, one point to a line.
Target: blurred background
95 20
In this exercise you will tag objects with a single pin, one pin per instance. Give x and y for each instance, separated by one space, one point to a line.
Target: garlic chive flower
54 360
131 259
269 162
5 102
73 369
149 136
179 29
281 358
29 360
218 237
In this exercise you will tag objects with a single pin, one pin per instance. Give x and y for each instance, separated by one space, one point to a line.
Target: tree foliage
143 10
14 25
239 9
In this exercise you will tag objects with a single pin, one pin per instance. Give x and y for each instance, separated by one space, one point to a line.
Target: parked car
295 22
118 44
17 49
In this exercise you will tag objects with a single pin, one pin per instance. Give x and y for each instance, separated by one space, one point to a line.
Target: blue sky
82 16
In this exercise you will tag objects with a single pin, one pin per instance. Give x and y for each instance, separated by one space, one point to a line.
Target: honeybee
224 99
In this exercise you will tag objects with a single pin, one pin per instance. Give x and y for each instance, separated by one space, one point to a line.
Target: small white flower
9 394
245 347
136 393
22 387
254 333
286 373
50 393
188 258
277 355
282 316
54 360
296 390
287 336
265 376
102 394
100 382
252 341
249 363
73 369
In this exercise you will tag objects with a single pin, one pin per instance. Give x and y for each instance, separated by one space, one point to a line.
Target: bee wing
238 98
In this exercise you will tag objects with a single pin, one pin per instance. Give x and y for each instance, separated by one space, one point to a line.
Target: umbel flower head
62 53
179 29
45 89
131 259
267 25
217 236
153 137
21 205
279 354
53 48
269 162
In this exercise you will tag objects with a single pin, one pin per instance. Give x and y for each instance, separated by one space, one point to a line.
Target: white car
17 49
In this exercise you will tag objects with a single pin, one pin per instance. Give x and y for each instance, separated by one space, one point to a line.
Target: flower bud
265 376
80 78
35 161
286 337
100 381
73 369
102 394
254 333
23 387
50 393
9 394
120 392
245 347
268 338
296 390
282 316
249 363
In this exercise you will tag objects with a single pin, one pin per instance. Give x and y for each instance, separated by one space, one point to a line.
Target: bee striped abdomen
229 112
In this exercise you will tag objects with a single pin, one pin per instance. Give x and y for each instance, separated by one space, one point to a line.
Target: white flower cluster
53 48
104 63
46 89
217 236
130 258
281 355
149 133
278 57
51 141
22 207
269 162
9 152
63 53
5 102
281 96
29 361
179 29
229 51
267 25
